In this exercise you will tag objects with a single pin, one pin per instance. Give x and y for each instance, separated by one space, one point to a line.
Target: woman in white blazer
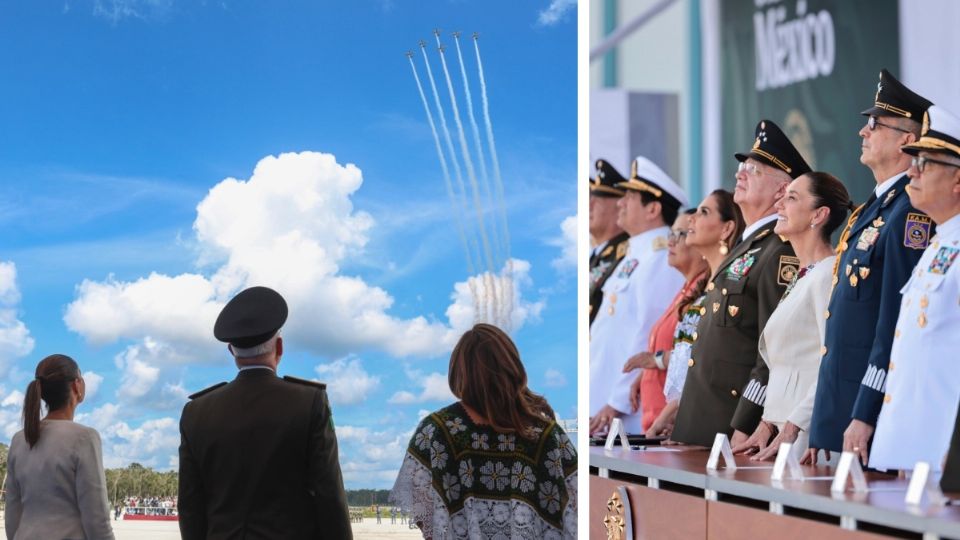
55 483
813 206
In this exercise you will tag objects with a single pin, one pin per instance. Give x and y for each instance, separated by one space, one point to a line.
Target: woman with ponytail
494 464
55 482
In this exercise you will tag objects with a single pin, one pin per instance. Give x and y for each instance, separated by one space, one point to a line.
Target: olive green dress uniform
605 257
727 377
258 455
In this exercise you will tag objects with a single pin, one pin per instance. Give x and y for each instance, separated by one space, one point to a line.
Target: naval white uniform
923 382
634 297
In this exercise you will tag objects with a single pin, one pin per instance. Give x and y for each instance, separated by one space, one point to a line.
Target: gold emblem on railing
614 522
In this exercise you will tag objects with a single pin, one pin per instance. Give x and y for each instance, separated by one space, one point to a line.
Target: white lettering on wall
790 51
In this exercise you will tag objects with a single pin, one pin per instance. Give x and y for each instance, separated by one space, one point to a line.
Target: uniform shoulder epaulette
206 390
298 380
622 248
660 243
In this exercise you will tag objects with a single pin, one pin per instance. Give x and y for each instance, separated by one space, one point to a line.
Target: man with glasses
881 244
611 240
923 385
727 378
640 288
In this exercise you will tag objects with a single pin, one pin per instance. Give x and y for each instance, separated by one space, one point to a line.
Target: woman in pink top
647 390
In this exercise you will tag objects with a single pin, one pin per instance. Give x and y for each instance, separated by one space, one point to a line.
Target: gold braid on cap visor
891 108
930 143
637 184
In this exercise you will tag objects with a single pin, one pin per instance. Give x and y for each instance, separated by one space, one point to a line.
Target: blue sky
158 155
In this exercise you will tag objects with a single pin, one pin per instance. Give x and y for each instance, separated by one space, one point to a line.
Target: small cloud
115 10
555 12
568 245
92 381
347 382
555 379
435 387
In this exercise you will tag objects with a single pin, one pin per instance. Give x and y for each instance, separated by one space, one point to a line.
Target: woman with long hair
814 205
55 482
495 463
714 228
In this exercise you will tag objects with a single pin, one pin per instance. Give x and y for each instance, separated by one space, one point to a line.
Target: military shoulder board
622 248
206 390
298 380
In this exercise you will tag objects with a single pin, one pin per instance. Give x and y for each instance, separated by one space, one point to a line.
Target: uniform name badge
868 238
916 235
943 260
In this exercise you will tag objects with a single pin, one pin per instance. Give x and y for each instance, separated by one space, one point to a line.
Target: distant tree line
368 497
139 481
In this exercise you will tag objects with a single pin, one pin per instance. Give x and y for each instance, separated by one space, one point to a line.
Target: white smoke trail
446 177
449 141
499 180
484 177
491 288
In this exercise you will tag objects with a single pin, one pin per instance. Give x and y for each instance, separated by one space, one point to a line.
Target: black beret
895 99
772 147
251 317
604 183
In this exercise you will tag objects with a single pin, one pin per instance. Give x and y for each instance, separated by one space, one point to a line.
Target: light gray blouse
57 489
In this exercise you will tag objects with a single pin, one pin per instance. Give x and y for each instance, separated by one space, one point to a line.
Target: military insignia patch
890 195
916 235
878 222
788 269
864 272
733 310
627 268
606 252
868 238
943 260
660 242
741 266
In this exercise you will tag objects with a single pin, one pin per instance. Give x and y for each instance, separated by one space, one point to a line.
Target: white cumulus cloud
568 245
15 339
151 444
433 387
347 382
289 226
480 299
555 12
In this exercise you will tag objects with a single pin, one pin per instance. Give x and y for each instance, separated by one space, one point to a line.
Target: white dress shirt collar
755 226
884 186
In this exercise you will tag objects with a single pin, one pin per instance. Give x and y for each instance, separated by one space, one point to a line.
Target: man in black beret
258 455
610 240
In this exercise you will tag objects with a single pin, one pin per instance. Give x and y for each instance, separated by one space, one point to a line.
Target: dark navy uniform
880 246
727 378
606 257
258 456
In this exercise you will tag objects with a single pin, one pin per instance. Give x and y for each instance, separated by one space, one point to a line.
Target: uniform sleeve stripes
756 392
875 378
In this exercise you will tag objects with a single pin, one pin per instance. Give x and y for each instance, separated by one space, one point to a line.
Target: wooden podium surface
751 501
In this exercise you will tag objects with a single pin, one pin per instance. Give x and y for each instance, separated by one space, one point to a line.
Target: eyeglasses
676 236
872 124
750 168
921 163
